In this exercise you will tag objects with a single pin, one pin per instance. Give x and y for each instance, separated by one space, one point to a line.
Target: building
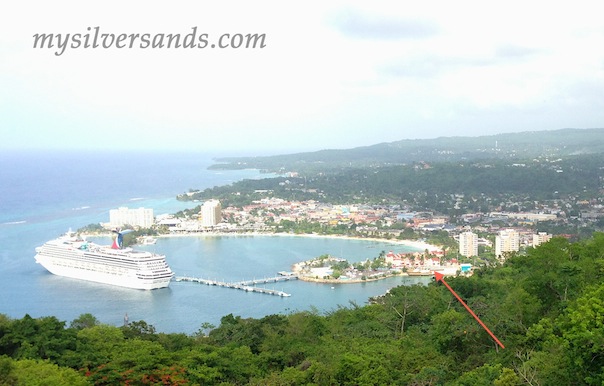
468 244
211 213
507 240
526 216
540 238
122 216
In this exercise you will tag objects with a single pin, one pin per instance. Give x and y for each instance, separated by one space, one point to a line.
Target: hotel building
507 241
540 238
211 213
468 244
140 217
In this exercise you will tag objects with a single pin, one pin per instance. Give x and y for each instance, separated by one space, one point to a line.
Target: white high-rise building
468 244
211 213
140 217
540 238
507 241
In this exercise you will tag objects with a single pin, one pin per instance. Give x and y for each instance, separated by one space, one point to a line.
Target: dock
269 280
246 285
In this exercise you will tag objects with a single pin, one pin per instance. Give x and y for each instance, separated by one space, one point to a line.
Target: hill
524 145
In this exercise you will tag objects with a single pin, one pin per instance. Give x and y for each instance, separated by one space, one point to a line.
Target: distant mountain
524 145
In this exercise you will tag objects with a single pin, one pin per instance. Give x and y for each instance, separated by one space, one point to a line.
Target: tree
139 329
582 329
84 321
96 345
488 375
43 373
7 375
205 329
138 362
43 338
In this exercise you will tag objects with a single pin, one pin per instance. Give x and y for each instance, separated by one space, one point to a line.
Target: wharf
247 285
269 280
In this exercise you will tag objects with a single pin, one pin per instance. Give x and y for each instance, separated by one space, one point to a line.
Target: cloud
429 66
335 74
510 51
353 23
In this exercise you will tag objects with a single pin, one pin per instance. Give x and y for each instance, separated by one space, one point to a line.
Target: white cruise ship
74 257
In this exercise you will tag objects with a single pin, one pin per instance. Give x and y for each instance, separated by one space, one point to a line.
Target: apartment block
468 244
507 240
211 213
540 238
141 217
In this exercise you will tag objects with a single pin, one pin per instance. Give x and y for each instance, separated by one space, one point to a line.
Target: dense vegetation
428 186
547 307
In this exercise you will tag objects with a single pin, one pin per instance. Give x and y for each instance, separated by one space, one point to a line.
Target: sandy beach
419 245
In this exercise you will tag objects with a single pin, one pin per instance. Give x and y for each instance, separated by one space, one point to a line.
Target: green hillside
445 149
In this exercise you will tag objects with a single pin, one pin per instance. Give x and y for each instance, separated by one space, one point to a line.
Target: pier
269 280
246 285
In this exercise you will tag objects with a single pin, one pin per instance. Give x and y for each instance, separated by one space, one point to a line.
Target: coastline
419 245
351 281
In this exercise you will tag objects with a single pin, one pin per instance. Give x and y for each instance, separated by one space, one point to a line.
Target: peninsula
330 269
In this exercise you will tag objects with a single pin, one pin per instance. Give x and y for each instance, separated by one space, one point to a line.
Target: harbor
246 285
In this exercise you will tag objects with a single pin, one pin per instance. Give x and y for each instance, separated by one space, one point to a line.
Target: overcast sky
332 74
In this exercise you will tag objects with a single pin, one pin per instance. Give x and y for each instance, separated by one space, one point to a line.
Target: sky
332 74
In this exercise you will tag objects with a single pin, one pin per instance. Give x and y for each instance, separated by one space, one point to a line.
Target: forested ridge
506 146
539 179
546 307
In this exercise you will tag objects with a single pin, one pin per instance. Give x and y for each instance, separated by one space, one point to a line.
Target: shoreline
350 281
419 245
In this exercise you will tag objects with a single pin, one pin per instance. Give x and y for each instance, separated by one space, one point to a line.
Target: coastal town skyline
336 75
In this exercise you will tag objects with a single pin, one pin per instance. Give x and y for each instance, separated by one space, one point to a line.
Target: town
490 236
477 212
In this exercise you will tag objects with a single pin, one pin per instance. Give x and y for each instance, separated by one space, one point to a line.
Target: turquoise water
42 195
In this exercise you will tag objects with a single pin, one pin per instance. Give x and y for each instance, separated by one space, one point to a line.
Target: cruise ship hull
71 257
97 276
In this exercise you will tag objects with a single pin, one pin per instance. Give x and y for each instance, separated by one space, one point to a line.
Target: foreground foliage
546 307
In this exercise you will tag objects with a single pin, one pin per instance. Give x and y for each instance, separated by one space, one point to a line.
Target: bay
44 193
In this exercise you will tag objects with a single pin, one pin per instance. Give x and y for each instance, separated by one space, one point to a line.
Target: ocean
44 193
